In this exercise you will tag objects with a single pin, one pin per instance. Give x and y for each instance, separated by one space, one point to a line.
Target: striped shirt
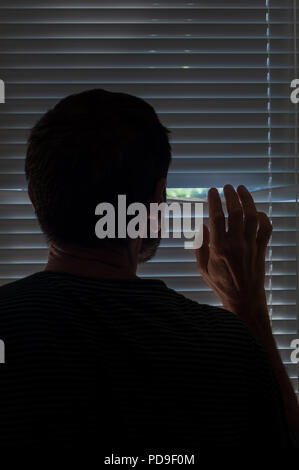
121 363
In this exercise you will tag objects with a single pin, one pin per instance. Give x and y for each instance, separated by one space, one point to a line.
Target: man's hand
233 262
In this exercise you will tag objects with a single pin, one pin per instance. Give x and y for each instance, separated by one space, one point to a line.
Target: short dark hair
89 148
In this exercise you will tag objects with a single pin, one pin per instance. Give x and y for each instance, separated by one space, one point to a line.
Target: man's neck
116 262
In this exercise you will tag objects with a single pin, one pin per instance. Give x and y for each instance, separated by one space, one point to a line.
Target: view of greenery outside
190 192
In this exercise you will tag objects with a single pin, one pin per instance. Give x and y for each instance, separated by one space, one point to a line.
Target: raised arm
233 264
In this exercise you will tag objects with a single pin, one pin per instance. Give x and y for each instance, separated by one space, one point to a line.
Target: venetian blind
218 74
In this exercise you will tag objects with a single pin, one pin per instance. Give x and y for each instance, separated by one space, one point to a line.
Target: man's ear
160 191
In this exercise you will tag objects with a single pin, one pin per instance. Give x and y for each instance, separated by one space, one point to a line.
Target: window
217 72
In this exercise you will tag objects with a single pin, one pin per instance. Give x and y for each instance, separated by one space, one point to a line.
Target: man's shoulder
215 317
217 324
19 285
21 295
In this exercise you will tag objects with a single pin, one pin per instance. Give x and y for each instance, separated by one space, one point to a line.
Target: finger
264 230
250 213
216 218
262 239
235 212
202 254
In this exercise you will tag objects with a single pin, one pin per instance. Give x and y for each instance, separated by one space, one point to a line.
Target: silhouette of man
100 359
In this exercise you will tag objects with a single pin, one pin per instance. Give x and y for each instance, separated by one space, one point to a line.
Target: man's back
129 362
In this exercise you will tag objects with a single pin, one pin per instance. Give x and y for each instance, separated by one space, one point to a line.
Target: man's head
88 149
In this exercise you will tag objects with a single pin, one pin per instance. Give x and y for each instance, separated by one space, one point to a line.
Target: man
101 359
